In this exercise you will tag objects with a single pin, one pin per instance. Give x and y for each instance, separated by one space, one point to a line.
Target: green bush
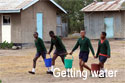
6 45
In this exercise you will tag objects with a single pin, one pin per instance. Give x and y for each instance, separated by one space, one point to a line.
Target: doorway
6 28
109 22
40 24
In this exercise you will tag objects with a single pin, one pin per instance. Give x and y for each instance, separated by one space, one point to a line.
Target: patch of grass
6 45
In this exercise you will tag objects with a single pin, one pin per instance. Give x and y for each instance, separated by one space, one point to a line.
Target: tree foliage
74 17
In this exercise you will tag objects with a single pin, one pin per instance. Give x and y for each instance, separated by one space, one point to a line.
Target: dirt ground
15 64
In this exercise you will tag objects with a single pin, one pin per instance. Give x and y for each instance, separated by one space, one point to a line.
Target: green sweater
40 45
58 44
84 44
103 48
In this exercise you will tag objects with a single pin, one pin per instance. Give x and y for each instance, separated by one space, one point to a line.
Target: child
41 50
60 49
85 45
103 50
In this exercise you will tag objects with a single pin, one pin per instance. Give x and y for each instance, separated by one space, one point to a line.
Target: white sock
67 70
48 69
103 69
33 69
52 68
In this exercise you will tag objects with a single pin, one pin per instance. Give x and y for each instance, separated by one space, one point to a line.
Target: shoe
31 72
48 72
68 73
103 76
51 72
90 75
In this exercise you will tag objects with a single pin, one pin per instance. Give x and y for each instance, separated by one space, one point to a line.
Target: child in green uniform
103 51
85 45
41 50
60 49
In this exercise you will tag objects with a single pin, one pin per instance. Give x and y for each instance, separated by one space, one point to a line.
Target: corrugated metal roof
115 5
14 6
8 6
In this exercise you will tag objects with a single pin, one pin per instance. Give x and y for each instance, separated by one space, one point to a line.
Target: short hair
51 32
104 33
83 30
36 33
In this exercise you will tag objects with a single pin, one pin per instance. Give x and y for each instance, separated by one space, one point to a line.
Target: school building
19 19
108 16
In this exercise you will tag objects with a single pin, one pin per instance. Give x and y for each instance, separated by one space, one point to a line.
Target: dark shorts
84 56
60 53
102 59
43 54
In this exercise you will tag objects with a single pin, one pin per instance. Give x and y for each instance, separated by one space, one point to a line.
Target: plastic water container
68 63
48 62
95 67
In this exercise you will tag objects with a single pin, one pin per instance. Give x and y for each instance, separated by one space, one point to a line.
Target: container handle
49 55
72 57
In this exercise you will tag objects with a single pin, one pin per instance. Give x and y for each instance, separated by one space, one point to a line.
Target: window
6 20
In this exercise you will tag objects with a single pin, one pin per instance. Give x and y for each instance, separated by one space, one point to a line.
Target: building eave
57 5
27 6
9 11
